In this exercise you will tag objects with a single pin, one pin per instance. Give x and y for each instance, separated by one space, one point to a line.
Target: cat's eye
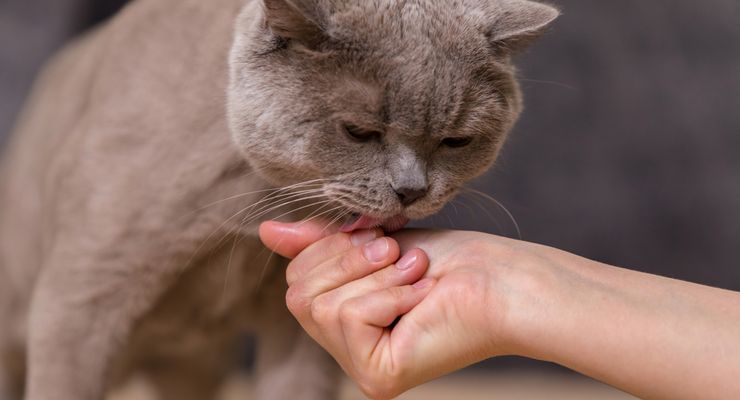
361 135
457 142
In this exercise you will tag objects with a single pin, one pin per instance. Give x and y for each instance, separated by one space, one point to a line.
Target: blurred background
628 151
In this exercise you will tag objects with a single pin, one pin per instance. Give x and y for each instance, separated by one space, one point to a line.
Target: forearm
651 336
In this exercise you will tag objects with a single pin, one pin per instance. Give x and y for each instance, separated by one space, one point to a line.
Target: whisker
553 83
271 191
336 196
454 207
228 269
449 219
268 202
466 205
252 216
305 221
269 258
501 206
274 190
335 219
274 199
309 216
278 193
210 236
315 204
480 206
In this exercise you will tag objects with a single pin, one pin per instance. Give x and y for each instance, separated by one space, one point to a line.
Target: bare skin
484 296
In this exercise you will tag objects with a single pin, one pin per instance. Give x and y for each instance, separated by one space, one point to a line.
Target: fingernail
377 250
423 284
407 261
358 238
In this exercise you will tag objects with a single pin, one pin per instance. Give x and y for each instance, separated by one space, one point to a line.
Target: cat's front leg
11 370
6 393
290 365
83 311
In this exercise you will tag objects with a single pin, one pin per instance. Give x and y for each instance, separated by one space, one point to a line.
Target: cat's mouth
361 221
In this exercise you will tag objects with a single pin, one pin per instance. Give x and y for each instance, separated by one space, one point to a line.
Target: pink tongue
365 222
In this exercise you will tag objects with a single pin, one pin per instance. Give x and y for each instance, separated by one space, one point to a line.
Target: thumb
289 239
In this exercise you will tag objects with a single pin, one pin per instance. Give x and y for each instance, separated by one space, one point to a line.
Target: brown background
628 151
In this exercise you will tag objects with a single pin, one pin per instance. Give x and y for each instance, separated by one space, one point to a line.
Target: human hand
348 298
491 296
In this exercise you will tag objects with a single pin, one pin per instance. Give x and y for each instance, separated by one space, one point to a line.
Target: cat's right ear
294 20
517 23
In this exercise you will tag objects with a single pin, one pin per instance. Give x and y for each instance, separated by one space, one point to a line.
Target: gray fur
118 252
415 71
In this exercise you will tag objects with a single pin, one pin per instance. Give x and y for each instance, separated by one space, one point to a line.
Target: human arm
654 337
651 336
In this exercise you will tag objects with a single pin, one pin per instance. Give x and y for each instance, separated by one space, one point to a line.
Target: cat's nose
409 196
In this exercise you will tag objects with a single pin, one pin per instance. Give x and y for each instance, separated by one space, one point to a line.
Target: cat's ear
517 23
294 20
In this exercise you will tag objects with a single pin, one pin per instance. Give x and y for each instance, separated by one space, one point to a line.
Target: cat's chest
225 292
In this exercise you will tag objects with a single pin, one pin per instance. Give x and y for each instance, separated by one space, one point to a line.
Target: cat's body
118 252
82 142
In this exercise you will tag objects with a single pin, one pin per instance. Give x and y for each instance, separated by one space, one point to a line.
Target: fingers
382 307
347 289
320 307
409 269
331 248
319 299
289 240
311 243
354 264
361 317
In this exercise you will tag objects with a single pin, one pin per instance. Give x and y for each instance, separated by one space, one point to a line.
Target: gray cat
151 150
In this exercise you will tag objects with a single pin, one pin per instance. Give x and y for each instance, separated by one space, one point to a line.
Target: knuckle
297 270
291 273
348 313
397 293
381 279
295 301
340 243
321 309
347 264
375 387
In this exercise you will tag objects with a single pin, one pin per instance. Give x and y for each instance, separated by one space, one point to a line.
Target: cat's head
390 105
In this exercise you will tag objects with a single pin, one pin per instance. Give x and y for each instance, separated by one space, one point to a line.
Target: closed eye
456 142
360 135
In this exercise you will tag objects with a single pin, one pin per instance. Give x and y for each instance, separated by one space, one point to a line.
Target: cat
153 146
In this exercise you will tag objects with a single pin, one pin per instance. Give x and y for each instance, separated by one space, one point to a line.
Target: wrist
532 291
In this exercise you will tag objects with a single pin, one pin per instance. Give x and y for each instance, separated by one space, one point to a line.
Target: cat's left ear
296 20
517 23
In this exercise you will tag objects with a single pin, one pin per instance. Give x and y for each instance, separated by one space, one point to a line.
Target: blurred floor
478 386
